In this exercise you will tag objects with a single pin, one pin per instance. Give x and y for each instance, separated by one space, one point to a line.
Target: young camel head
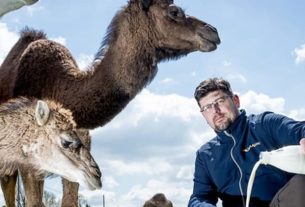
45 132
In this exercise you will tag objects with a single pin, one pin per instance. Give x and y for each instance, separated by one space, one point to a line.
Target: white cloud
151 123
110 182
7 40
148 167
186 172
227 63
197 138
60 40
153 170
31 9
258 102
297 114
84 61
95 198
1 197
300 54
177 192
149 105
237 77
166 81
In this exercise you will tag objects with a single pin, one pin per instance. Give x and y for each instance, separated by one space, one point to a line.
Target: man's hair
210 85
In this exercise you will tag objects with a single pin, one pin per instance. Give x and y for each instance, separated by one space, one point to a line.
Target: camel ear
145 4
42 113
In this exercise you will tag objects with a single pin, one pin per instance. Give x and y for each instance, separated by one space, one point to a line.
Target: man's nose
215 108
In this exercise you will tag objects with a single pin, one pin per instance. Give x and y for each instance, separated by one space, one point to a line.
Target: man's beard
223 125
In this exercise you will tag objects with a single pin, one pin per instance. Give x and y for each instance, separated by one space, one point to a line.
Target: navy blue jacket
224 164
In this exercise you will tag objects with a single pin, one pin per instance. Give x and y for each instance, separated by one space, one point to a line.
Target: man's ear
236 100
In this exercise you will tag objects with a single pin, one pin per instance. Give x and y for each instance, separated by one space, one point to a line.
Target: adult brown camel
39 137
142 34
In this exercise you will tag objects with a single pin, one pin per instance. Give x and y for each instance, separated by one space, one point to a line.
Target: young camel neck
10 142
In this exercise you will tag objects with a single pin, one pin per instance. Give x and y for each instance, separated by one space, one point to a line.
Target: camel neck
125 73
111 84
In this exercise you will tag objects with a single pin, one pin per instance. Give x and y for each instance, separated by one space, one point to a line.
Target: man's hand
302 143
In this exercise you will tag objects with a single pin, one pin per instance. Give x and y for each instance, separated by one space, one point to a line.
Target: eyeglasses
218 102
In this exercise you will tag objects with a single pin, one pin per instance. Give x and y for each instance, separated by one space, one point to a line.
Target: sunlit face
219 109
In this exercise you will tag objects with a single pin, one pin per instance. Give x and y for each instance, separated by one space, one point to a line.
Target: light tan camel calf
39 137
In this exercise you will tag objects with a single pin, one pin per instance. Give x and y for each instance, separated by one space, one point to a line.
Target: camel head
158 200
174 32
59 148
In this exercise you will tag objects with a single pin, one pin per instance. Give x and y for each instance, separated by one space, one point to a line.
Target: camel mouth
208 45
93 182
95 185
209 38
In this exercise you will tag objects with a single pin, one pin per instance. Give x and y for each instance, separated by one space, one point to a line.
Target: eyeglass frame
206 107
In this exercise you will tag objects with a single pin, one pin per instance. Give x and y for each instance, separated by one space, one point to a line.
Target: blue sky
150 147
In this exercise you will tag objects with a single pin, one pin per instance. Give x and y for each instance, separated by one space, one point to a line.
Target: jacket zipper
239 168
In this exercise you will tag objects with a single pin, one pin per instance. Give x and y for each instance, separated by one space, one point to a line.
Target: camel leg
8 185
33 189
70 194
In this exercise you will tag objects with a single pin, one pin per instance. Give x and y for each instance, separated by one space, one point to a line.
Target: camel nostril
211 27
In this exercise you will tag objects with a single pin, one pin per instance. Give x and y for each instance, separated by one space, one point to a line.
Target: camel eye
65 143
76 144
70 141
175 12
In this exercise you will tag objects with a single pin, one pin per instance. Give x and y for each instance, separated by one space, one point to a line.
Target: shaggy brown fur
158 200
141 35
32 148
